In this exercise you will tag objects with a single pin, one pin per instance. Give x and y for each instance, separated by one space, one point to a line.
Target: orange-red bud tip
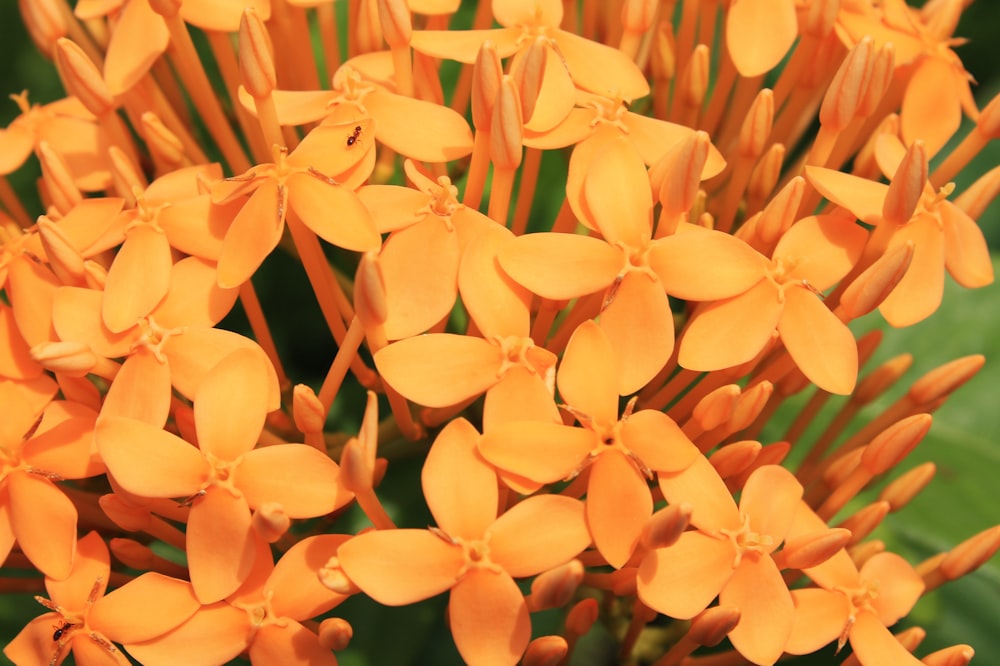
546 651
709 627
901 491
582 616
717 407
942 381
335 633
849 83
256 61
956 655
486 76
971 554
865 520
907 185
895 443
735 458
876 283
756 126
507 127
666 526
810 550
881 379
555 588
82 78
308 412
271 521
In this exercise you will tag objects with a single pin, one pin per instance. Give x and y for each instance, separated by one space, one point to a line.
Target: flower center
608 111
745 540
154 337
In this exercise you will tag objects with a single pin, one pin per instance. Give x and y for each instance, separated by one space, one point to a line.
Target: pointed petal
91 567
220 544
400 567
654 138
63 442
732 331
196 226
351 227
520 396
222 15
463 45
556 93
141 389
824 247
33 644
194 297
31 289
819 343
215 634
139 38
538 534
76 316
700 486
766 609
231 404
966 255
294 107
618 505
439 369
542 452
759 34
15 360
148 461
681 261
589 375
144 608
658 441
560 266
420 271
600 68
290 644
303 480
617 194
489 618
497 304
861 196
298 594
44 521
138 278
459 485
770 498
255 231
873 644
680 581
919 292
931 110
444 135
519 13
900 587
820 617
640 327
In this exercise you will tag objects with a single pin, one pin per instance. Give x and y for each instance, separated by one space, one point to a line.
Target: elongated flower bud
874 285
864 521
486 76
907 185
710 626
895 443
507 127
901 491
844 94
256 61
335 633
555 588
546 651
81 78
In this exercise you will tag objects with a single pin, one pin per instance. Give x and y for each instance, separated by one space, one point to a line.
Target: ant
353 138
61 631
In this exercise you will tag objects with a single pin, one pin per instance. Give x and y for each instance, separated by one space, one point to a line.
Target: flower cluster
585 363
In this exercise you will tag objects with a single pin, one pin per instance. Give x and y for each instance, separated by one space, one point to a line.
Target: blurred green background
964 441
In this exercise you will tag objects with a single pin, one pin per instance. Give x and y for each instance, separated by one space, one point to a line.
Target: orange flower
226 477
263 617
813 255
854 605
472 552
622 454
316 178
729 555
943 235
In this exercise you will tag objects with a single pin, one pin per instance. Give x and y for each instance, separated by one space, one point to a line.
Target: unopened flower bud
894 443
971 554
332 576
270 521
883 67
849 83
809 550
582 616
166 8
132 554
756 128
821 17
663 61
907 185
81 78
486 76
881 379
750 405
735 458
765 175
717 407
507 127
397 24
779 214
978 196
369 292
59 184
127 516
335 633
875 284
94 274
665 526
555 588
864 521
677 175
256 62
163 143
45 23
710 626
956 655
128 182
76 359
64 258
308 412
943 380
546 651
901 491
693 83
988 123
528 73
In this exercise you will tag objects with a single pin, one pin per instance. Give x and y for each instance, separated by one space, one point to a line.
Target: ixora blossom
473 552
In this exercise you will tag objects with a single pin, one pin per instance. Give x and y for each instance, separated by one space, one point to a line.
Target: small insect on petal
353 138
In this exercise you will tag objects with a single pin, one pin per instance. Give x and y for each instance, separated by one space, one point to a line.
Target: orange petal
215 634
538 534
520 396
300 478
220 544
222 15
420 270
63 442
289 643
819 343
542 452
766 610
194 297
444 135
820 617
89 577
680 581
600 68
144 608
76 316
141 389
617 194
138 278
138 40
899 586
298 594
352 228
16 143
556 93
33 644
440 369
931 109
20 415
86 650
658 442
393 207
682 263
654 138
861 196
31 290
640 327
732 331
919 292
231 404
15 361
463 45
560 266
700 486
573 128
759 33
873 644
497 304
823 247
966 255
148 461
400 567
459 485
618 505
44 521
590 374
770 498
519 13
196 226
489 618
294 107
255 231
